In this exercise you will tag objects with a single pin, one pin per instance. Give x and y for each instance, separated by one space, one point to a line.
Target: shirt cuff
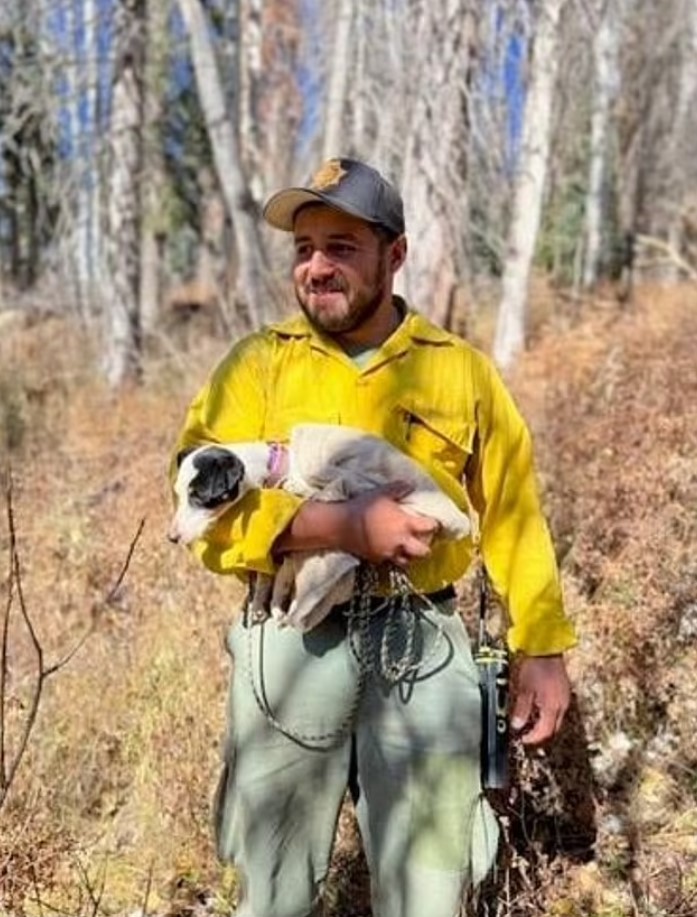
542 636
242 539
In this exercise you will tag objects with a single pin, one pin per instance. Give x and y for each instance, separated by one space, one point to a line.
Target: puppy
321 462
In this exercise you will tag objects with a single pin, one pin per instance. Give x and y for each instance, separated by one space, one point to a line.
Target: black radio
492 664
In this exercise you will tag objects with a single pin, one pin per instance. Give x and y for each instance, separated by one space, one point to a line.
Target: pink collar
275 469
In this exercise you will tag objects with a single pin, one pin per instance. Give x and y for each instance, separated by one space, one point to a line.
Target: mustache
334 285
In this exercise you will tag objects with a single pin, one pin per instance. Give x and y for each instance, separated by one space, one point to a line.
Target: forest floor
109 810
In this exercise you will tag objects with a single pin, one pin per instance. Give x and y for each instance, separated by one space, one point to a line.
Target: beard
357 307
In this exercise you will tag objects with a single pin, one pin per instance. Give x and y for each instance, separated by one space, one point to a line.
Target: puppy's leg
323 579
261 597
282 592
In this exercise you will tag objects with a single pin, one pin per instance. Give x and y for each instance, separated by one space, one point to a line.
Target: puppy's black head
219 473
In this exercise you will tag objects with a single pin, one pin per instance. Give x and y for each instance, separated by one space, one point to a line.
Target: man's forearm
314 527
372 526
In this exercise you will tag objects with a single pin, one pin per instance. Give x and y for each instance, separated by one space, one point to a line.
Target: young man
304 709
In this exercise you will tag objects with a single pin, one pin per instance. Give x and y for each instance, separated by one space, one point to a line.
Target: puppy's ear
182 454
219 473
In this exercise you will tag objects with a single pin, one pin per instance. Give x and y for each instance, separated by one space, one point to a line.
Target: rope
402 615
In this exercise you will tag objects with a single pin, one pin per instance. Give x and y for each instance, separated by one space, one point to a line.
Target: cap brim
280 209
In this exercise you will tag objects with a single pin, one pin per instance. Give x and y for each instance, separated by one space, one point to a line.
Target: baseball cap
347 185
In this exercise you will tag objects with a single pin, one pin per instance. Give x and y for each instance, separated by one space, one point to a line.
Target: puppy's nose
173 536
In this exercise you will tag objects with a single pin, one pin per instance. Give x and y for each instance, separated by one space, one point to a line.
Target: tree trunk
682 141
436 156
529 187
250 70
84 239
155 223
335 140
254 288
123 336
605 84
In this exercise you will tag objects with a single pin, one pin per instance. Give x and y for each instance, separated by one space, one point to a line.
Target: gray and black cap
347 185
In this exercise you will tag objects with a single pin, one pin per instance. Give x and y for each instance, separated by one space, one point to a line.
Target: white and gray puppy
321 462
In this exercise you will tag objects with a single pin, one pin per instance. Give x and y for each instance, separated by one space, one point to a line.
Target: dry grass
111 804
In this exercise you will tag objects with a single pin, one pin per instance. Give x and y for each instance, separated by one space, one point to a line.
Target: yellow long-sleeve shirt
430 394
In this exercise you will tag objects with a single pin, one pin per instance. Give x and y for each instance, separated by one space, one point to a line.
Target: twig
4 644
95 895
37 890
148 887
111 595
15 587
671 254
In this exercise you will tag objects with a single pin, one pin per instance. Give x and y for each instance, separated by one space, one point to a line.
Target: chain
401 618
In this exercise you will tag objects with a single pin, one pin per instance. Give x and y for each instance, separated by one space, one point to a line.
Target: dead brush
19 708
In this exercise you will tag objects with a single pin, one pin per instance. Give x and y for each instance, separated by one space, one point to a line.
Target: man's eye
341 248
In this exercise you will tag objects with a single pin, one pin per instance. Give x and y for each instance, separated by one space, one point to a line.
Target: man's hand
542 697
379 530
373 527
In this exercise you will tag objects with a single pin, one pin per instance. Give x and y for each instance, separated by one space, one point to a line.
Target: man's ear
219 474
398 253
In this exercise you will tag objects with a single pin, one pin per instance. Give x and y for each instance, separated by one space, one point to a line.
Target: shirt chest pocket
434 439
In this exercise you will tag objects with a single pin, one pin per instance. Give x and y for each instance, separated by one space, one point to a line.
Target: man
305 709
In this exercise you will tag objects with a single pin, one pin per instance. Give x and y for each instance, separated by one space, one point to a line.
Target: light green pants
426 829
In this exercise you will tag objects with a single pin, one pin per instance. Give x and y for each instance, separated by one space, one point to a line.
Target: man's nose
320 265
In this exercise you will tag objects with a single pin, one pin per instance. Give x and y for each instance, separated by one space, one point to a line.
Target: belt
377 601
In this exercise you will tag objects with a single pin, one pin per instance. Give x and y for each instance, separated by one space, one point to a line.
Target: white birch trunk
83 225
154 225
392 52
684 134
364 19
93 205
250 64
253 286
436 157
80 223
605 48
335 140
529 187
122 343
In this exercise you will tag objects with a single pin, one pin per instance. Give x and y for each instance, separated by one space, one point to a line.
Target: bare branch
15 588
113 592
4 644
148 886
671 254
94 893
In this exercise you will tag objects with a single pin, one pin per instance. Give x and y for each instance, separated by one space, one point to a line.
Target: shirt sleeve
230 408
515 541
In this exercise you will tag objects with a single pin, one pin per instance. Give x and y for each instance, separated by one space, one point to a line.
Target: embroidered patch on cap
328 175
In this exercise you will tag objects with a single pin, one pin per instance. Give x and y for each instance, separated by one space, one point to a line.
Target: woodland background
546 151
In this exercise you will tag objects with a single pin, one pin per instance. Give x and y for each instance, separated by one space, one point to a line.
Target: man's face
342 272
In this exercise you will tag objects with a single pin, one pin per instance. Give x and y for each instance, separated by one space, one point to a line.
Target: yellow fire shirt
431 395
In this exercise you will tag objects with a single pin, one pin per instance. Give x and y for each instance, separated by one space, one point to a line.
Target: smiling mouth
327 290
328 296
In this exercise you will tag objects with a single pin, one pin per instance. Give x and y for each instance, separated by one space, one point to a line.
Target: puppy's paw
280 616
